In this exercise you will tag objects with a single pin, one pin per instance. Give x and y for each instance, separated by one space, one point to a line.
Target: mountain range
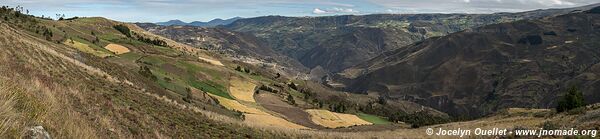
477 71
338 42
211 23
345 76
363 54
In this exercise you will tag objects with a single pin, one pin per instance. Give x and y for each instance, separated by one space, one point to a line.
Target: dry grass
334 120
37 104
117 49
8 115
28 98
242 90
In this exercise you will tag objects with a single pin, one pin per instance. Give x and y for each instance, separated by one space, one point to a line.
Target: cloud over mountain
335 10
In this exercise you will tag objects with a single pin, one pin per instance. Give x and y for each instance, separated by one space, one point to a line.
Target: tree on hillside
293 86
381 100
96 40
573 99
290 99
238 68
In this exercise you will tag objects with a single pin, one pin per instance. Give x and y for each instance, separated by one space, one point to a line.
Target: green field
211 87
373 119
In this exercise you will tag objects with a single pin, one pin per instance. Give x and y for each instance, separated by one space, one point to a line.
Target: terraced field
253 114
211 61
242 90
237 106
270 121
335 120
86 48
117 49
291 113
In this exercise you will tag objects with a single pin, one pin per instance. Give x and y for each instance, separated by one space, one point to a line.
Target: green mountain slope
338 42
475 72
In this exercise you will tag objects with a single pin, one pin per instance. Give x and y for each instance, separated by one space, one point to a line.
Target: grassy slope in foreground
42 84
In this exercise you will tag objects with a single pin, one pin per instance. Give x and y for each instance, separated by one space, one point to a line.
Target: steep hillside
92 77
528 63
76 89
337 42
240 46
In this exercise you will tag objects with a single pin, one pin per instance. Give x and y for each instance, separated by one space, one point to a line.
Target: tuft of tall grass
8 115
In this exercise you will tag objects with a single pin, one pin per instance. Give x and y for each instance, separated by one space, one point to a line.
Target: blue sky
204 10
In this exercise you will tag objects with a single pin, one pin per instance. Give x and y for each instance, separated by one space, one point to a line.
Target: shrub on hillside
155 41
418 119
290 99
549 125
188 95
573 99
268 89
292 85
145 71
47 34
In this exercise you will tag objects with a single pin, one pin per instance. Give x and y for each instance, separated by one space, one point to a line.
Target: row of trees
123 29
157 42
127 32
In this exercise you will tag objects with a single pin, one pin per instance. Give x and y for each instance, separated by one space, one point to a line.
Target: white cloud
319 11
344 10
555 2
335 10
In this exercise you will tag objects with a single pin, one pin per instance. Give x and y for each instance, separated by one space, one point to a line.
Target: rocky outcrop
37 132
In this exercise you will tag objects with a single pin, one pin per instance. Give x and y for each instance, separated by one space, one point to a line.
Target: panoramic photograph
324 69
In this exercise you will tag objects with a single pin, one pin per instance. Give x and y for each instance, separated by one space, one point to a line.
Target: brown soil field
117 49
334 120
291 113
